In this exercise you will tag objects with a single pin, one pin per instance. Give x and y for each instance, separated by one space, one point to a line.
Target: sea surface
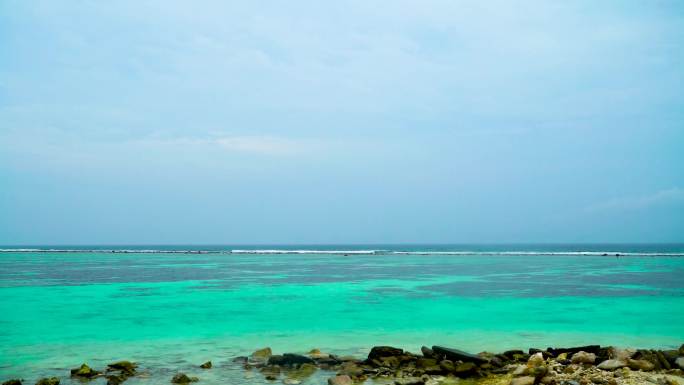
170 308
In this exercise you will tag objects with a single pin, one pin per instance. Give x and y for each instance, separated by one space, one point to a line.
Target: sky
213 122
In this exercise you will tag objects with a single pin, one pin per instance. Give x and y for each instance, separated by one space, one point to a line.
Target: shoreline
581 365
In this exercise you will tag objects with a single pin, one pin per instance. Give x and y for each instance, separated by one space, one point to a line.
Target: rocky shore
582 365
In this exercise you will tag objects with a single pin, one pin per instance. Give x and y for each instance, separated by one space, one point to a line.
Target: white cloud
662 197
265 145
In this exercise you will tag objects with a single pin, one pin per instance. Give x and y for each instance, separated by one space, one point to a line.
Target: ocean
171 308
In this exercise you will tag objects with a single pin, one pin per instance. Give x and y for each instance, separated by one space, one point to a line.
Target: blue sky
341 122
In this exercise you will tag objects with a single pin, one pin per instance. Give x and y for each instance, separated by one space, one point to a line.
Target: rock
302 372
681 350
262 354
206 365
241 359
182 378
289 359
526 380
679 362
589 349
384 351
671 355
316 354
124 366
612 364
291 381
427 352
351 369
410 381
116 380
535 360
457 355
664 363
271 377
340 380
642 365
48 381
583 357
12 382
465 369
620 354
84 371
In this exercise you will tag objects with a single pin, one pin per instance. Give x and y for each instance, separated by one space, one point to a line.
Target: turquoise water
172 311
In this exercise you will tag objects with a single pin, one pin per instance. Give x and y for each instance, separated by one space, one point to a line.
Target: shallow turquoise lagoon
173 311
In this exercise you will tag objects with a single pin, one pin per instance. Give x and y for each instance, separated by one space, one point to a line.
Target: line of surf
350 252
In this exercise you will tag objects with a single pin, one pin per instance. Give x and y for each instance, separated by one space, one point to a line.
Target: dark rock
206 365
182 378
465 369
84 371
384 351
649 356
12 382
271 377
427 352
457 355
242 359
115 380
532 351
589 349
447 365
664 363
48 381
289 359
681 350
123 366
496 361
510 353
671 355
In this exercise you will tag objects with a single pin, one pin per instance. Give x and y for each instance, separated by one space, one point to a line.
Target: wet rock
427 352
526 380
115 380
123 366
457 355
302 372
643 365
291 381
410 381
182 378
340 380
679 362
465 369
384 351
612 364
316 354
681 350
84 371
241 359
271 377
12 382
206 365
664 363
48 381
289 359
670 355
262 355
583 357
589 349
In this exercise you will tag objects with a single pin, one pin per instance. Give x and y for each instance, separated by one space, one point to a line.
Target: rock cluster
582 365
